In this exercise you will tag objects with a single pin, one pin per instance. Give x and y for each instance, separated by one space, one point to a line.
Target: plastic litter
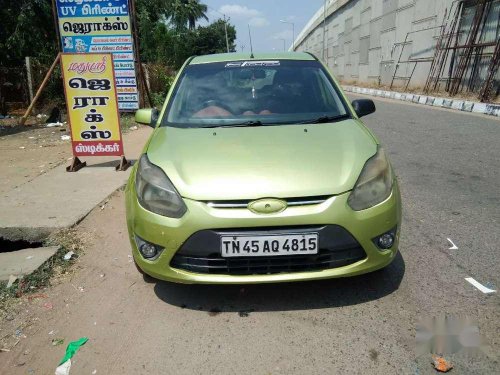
69 255
54 124
35 296
64 368
65 138
48 305
441 364
12 280
71 349
134 128
57 342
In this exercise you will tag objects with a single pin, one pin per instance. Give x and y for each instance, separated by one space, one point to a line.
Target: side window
329 96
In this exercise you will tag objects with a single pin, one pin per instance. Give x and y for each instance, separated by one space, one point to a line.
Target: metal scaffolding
463 51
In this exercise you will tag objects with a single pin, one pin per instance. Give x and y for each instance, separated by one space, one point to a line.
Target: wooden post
137 52
30 77
40 89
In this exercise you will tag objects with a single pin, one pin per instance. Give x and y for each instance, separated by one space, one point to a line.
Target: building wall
365 38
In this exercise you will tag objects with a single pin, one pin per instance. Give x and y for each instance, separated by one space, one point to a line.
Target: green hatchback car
259 171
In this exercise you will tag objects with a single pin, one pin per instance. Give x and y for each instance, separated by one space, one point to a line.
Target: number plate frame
277 245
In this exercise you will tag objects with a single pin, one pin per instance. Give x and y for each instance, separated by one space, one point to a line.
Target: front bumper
171 234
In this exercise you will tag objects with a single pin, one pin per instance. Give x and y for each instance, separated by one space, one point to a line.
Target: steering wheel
214 103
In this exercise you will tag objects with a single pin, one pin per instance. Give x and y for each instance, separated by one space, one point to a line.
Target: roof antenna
251 46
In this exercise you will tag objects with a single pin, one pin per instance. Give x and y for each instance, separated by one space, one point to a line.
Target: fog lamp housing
148 250
386 240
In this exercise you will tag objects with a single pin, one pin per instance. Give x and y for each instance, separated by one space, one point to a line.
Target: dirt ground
29 151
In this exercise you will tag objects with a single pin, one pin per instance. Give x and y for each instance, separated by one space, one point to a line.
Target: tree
171 43
187 12
27 30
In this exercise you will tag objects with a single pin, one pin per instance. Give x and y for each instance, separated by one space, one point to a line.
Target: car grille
268 265
337 249
291 202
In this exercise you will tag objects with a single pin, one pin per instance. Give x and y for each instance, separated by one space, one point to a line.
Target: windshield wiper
239 125
325 119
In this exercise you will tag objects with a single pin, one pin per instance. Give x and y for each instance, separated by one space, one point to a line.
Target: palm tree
187 12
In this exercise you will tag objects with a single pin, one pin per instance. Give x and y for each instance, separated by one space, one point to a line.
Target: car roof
225 57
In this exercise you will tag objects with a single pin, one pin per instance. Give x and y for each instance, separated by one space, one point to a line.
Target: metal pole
225 28
30 78
293 32
324 30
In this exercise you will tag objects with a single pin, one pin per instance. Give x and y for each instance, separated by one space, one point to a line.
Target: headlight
155 191
374 184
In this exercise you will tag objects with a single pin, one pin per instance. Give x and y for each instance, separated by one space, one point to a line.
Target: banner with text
102 26
89 85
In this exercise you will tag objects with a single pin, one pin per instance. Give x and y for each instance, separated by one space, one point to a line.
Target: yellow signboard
89 85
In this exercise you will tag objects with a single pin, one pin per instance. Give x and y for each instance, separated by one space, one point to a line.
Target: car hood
284 161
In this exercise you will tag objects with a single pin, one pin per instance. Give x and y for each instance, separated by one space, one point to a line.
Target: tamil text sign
89 86
97 26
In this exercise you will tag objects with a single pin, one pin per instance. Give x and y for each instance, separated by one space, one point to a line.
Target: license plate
272 245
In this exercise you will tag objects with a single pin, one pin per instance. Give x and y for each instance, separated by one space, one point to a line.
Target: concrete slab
430 100
457 104
468 106
24 262
438 102
58 199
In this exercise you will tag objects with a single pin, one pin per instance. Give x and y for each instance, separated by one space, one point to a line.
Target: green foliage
171 46
27 29
184 12
161 79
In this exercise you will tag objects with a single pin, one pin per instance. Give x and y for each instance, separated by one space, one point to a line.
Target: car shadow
246 299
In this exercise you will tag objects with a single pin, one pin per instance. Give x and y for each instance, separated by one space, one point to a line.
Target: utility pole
225 26
293 33
225 29
284 43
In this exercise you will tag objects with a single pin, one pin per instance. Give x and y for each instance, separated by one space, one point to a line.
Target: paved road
448 167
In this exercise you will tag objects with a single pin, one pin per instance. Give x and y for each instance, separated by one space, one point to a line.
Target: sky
264 17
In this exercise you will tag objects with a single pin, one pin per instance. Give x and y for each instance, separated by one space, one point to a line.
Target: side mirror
363 107
147 116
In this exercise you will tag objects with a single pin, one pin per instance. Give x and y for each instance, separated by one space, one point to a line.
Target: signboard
98 26
89 85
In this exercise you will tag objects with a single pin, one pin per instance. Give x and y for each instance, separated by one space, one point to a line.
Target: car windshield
254 93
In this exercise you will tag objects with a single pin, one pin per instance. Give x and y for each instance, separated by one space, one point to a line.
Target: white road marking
453 246
480 286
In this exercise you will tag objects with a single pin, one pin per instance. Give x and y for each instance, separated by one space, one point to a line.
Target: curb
454 104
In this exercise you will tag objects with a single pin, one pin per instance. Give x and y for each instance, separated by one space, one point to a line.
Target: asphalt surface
448 166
